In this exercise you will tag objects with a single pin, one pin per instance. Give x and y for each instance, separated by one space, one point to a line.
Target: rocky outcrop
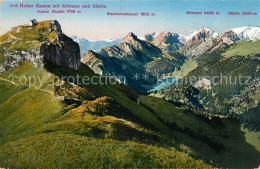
199 43
65 52
13 59
149 37
38 44
204 42
166 37
166 41
147 49
225 39
92 60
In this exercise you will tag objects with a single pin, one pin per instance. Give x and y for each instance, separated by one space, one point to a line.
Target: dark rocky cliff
65 53
39 43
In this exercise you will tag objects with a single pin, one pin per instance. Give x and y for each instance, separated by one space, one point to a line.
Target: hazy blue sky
171 16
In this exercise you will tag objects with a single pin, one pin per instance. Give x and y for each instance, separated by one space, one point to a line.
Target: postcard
129 84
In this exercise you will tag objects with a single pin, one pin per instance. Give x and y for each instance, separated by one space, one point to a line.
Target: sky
95 24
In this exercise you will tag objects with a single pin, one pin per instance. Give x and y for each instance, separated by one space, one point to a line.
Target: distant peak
130 37
202 30
90 52
247 32
131 34
166 34
162 34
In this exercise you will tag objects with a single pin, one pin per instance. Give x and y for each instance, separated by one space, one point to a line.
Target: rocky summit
38 43
199 43
166 41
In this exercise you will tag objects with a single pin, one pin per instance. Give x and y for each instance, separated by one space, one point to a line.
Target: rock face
65 53
38 44
166 41
206 42
13 58
225 39
92 60
199 43
150 37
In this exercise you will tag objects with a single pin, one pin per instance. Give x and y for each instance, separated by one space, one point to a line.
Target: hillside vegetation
222 141
243 48
225 82
68 150
27 38
40 129
109 124
47 120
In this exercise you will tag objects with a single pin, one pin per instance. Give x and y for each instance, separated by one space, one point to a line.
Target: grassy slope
74 151
243 48
25 108
71 137
116 92
252 138
186 68
169 113
241 148
37 129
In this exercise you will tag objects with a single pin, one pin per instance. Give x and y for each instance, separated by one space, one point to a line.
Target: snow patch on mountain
247 33
141 37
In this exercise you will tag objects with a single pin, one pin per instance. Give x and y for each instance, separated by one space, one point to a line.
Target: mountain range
244 33
164 53
198 41
86 45
55 122
173 41
171 49
133 57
